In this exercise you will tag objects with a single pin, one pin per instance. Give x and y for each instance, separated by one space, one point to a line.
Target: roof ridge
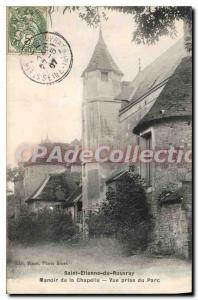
153 89
172 98
159 57
155 74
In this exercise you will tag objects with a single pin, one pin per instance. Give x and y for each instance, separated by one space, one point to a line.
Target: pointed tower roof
101 58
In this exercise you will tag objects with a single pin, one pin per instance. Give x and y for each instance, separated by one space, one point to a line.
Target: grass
96 254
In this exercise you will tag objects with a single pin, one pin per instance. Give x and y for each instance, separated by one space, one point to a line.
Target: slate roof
101 59
155 75
116 175
175 100
57 187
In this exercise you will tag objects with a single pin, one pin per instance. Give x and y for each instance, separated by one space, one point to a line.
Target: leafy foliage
47 225
24 229
151 22
155 22
55 225
14 173
125 214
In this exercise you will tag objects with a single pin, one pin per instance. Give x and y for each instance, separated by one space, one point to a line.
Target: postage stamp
23 23
46 58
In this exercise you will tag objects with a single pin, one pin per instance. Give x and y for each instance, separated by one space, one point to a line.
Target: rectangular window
146 167
104 76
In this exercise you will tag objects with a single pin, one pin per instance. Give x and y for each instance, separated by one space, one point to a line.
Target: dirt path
104 257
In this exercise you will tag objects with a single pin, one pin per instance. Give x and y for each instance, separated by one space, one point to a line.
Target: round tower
100 115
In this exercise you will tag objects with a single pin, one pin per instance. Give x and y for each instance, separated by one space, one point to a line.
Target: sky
35 110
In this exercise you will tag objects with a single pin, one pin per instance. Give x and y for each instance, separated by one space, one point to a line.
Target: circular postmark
48 59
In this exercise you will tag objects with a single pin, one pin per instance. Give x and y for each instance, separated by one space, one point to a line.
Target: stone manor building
153 111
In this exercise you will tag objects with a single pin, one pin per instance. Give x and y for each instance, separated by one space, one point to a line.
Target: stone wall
187 202
177 134
172 221
172 229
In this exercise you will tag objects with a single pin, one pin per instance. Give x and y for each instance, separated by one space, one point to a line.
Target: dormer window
104 76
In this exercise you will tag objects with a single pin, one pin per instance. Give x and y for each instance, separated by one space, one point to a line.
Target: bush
55 225
125 214
47 225
24 229
99 225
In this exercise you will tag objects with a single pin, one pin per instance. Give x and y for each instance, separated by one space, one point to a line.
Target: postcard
99 150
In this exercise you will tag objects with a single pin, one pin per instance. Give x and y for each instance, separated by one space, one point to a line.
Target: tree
151 22
13 173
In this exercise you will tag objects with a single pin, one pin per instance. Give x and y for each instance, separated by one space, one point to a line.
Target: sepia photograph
99 150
